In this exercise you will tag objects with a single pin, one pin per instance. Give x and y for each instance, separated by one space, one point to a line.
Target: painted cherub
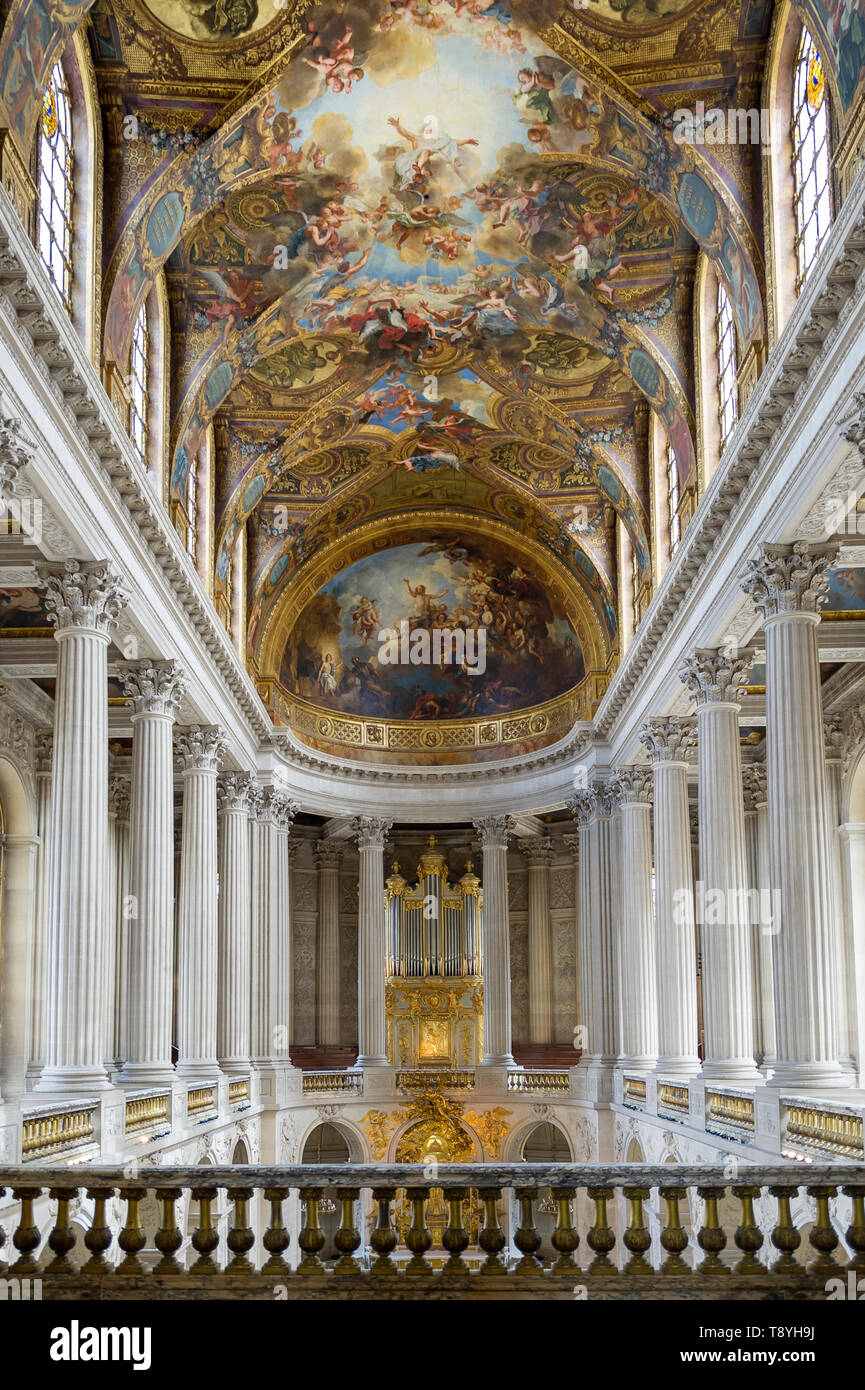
338 66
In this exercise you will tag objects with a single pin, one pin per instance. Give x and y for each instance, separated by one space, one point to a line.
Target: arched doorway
546 1143
326 1144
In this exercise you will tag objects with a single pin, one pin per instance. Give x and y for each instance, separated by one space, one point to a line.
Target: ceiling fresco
424 258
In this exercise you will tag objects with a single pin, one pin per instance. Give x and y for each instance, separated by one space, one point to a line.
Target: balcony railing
524 1080
595 1258
343 1081
824 1129
58 1129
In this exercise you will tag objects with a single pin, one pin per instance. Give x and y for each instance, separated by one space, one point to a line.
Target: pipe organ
434 989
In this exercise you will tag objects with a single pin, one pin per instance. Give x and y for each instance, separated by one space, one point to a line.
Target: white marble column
788 583
762 928
371 942
118 906
722 899
155 688
667 741
200 750
327 976
495 942
283 984
83 600
597 810
264 871
44 752
835 741
234 924
583 808
639 1017
853 863
538 855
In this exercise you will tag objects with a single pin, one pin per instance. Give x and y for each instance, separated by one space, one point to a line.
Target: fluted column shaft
36 1060
265 889
495 943
587 871
722 897
200 752
845 971
371 944
234 925
788 583
281 941
639 1017
667 741
762 927
540 941
327 974
155 689
118 907
83 602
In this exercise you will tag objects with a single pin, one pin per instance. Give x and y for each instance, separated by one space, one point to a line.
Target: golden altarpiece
434 985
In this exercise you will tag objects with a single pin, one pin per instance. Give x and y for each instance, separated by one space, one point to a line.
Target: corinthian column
284 812
44 751
763 927
835 738
584 808
200 751
83 602
327 856
540 940
371 943
667 741
639 1020
265 912
722 898
496 948
232 1012
155 688
788 584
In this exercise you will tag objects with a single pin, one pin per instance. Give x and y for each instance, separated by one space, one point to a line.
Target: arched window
55 185
138 369
725 338
673 497
812 200
192 511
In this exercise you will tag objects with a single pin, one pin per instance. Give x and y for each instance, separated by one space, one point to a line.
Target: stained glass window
728 405
138 382
55 184
813 202
673 498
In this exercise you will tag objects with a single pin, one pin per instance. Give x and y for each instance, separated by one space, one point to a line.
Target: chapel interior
432 646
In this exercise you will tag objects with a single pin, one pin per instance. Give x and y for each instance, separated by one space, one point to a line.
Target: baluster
637 1237
527 1238
276 1237
455 1238
26 1237
98 1238
418 1237
132 1238
492 1238
822 1234
241 1236
347 1238
62 1237
785 1237
312 1238
205 1237
856 1229
601 1238
674 1237
711 1238
168 1239
565 1236
383 1238
748 1236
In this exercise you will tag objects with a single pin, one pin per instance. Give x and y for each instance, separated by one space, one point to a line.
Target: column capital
371 831
284 810
118 796
200 747
233 791
789 578
154 687
608 796
494 831
82 593
754 783
668 739
635 785
44 749
713 677
538 850
268 804
583 806
328 854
